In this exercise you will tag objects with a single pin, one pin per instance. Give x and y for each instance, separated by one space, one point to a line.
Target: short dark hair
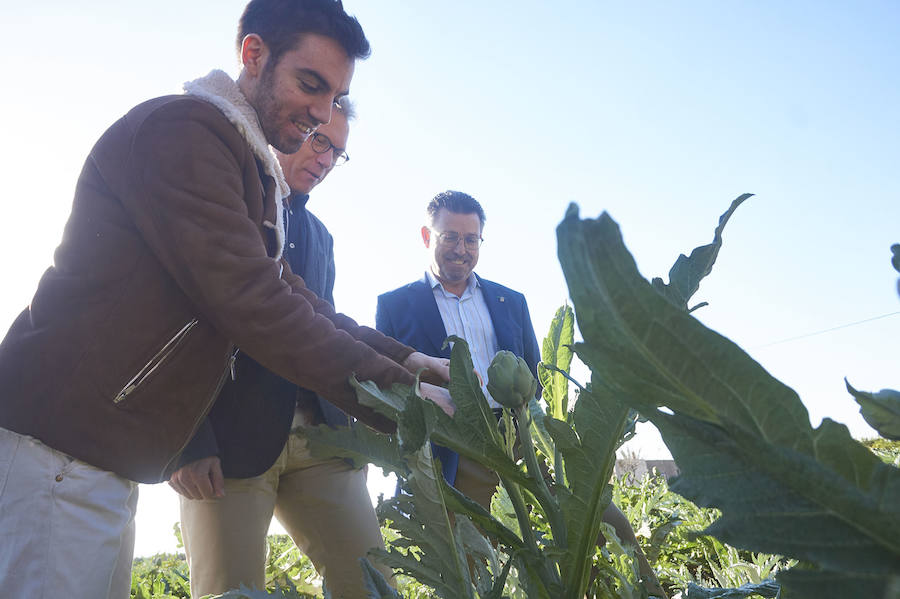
456 202
280 23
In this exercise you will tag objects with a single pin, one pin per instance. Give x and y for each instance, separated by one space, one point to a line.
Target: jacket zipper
231 363
155 362
229 368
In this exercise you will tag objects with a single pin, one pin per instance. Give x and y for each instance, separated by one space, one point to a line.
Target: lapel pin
502 299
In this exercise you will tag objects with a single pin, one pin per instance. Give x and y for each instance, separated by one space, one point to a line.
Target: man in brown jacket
170 260
244 466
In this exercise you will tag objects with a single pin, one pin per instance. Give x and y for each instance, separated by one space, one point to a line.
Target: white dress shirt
468 317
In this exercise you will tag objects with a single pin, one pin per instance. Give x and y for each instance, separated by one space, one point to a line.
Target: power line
843 326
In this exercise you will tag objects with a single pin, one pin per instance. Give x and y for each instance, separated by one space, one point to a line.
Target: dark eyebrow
315 75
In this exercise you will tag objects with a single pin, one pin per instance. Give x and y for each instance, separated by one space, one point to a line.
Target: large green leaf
486 564
664 356
766 588
881 410
758 511
808 583
503 529
741 438
376 585
811 583
556 360
686 273
588 452
389 402
358 443
557 351
422 519
414 416
619 574
540 435
503 510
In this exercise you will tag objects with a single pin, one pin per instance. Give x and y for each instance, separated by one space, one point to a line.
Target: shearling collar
220 90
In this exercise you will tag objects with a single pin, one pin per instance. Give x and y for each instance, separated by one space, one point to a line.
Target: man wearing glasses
450 299
243 465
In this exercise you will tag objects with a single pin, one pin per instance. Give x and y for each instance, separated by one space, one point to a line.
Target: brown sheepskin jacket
170 261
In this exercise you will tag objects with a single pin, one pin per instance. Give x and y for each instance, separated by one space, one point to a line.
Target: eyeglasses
321 144
451 239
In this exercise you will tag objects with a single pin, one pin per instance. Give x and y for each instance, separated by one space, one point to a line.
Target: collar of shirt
468 317
470 285
297 201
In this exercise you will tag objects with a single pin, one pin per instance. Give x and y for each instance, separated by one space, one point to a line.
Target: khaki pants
66 527
323 504
476 482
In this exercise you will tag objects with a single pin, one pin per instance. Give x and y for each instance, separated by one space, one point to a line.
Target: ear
426 236
254 54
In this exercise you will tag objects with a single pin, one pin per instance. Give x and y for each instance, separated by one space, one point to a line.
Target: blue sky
658 112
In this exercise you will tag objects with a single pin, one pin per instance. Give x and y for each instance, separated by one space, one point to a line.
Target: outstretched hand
437 368
201 479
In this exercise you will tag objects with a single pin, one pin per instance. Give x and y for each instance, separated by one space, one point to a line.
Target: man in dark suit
450 299
242 466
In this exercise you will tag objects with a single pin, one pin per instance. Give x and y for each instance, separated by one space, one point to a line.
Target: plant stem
548 502
550 577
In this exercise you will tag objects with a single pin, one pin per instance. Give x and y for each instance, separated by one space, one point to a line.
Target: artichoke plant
510 381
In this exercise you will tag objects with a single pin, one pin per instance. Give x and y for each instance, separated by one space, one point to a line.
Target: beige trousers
66 527
323 504
476 482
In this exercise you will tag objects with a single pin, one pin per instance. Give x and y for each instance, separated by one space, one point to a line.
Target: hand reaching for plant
437 369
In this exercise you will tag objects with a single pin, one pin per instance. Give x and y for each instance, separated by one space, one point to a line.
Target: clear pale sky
658 112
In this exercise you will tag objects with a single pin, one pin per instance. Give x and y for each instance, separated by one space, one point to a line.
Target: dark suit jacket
410 315
249 424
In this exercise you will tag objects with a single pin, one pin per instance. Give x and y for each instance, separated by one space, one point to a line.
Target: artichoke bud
510 382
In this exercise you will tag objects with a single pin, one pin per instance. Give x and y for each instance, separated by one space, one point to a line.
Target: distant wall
637 468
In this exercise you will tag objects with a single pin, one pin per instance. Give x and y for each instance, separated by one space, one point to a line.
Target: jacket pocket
155 362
